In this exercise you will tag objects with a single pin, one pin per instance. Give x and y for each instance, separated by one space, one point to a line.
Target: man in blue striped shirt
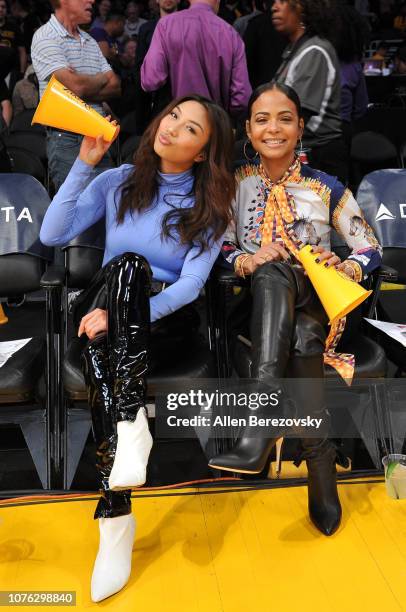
61 48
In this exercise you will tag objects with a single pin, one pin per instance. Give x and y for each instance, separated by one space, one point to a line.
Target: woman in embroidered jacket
280 206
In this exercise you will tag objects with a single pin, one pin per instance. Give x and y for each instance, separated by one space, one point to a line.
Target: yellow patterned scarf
280 214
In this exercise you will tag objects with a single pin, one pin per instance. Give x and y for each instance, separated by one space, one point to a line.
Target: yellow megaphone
3 318
338 294
61 108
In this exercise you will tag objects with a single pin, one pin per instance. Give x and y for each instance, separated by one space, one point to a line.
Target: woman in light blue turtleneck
165 218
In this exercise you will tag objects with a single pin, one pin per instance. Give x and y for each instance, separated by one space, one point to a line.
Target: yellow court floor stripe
228 552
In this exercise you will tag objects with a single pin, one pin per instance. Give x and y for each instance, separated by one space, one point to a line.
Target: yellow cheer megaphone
61 108
338 293
3 318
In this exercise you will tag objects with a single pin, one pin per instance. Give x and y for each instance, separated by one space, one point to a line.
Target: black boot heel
248 456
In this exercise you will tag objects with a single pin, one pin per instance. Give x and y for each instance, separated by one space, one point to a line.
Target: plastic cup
395 475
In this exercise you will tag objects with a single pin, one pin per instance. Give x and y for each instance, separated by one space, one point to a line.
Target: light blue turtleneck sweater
81 201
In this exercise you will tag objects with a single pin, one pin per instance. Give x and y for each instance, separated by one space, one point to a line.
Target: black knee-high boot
96 370
274 289
320 453
128 282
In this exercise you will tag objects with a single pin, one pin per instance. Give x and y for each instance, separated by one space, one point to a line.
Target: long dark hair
213 189
351 34
272 85
318 16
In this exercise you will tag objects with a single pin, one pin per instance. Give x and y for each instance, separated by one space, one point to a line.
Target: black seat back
84 256
381 196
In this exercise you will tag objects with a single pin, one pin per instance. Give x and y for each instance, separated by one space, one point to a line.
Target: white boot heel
112 567
134 443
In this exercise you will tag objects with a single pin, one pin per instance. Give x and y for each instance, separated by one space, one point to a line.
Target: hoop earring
300 151
245 152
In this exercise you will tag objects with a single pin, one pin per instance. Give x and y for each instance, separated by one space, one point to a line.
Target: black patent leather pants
115 363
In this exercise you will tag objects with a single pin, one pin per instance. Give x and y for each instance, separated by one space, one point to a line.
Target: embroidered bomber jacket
322 203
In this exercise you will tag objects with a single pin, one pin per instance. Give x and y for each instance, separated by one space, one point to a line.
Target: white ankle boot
134 443
112 567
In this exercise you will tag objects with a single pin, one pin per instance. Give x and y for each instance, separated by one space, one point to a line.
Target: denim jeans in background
62 150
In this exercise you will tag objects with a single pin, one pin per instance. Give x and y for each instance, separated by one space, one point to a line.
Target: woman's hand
271 252
93 323
327 258
93 149
346 269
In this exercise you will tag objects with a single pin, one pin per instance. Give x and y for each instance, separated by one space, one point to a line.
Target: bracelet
355 269
239 265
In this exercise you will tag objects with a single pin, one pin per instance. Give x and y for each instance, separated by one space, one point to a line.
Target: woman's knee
309 336
276 271
129 262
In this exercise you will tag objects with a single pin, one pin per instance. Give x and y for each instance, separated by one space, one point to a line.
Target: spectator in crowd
13 56
386 13
399 22
133 21
145 102
263 47
350 47
26 92
29 21
381 52
242 22
61 48
152 10
198 52
5 106
229 11
108 38
310 65
128 56
166 7
400 61
103 8
125 67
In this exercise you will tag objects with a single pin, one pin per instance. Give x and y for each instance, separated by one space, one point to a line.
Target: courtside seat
21 373
370 359
83 258
195 361
23 261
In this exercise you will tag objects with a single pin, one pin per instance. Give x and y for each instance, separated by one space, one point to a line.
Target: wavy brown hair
213 189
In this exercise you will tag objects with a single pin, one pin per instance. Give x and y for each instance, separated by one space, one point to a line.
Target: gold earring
245 151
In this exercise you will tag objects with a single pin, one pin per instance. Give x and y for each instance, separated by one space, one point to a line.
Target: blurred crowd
124 31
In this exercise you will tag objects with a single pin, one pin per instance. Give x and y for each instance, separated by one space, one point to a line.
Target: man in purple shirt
199 53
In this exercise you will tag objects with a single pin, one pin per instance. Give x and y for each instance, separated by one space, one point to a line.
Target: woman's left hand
93 323
327 258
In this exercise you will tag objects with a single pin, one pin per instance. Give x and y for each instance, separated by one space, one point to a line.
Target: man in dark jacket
263 47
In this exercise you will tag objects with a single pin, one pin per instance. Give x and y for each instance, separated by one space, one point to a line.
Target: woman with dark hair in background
103 8
351 35
310 65
165 219
281 206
